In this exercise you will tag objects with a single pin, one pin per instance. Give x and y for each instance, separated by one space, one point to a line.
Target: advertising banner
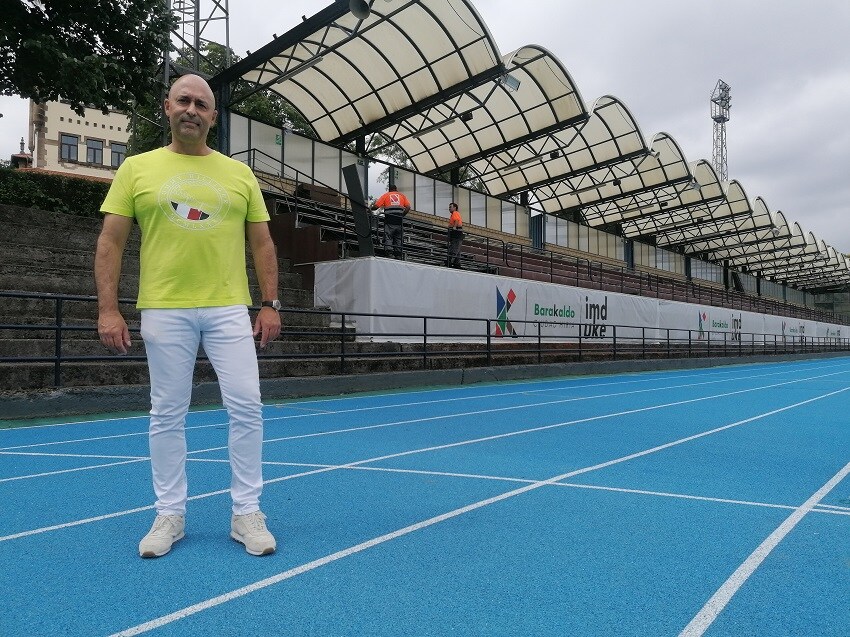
453 305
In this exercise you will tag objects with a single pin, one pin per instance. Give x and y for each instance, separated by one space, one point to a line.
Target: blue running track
699 502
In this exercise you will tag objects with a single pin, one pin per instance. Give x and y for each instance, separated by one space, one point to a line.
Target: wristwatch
273 304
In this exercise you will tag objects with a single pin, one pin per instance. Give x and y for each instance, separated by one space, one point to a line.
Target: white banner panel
459 304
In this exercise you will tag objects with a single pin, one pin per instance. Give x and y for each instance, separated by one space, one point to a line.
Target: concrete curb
75 401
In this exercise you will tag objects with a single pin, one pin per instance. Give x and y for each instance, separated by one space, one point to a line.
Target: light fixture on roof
774 231
359 9
555 154
509 82
466 117
433 127
615 182
522 163
655 153
298 69
693 185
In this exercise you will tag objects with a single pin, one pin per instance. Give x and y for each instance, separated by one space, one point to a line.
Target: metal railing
430 341
531 262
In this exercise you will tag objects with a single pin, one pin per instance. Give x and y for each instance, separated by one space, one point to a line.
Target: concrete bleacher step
57 280
47 257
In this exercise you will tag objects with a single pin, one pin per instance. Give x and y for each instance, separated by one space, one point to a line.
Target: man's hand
267 325
113 332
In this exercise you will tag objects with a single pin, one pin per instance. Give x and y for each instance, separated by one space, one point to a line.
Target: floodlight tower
721 99
194 20
197 23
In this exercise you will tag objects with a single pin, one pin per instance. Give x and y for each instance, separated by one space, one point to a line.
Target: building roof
428 76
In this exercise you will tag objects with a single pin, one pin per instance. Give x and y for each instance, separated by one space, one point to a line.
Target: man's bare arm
267 324
111 326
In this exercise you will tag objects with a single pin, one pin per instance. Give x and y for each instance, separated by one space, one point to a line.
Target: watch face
274 304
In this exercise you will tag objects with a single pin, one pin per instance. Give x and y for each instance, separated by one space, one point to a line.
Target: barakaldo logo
503 306
555 311
703 317
595 314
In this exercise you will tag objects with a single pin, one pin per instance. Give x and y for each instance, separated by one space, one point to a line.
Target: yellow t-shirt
192 212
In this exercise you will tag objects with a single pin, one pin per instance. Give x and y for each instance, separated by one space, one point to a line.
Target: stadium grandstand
587 241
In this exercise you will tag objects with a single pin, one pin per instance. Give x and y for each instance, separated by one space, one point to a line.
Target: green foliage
94 52
53 193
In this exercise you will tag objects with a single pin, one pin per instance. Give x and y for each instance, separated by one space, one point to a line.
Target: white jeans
171 340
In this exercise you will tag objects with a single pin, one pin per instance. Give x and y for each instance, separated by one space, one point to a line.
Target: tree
265 106
88 52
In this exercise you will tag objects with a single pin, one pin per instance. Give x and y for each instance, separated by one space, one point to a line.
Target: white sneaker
250 530
166 530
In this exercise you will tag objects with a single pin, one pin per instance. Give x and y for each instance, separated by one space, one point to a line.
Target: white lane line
477 476
299 404
714 606
458 444
455 400
60 471
452 400
682 496
357 548
568 384
516 407
817 509
368 427
832 506
67 525
70 455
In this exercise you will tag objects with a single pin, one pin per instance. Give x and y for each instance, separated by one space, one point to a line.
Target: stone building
92 144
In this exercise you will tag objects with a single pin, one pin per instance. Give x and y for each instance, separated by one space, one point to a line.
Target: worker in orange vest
395 206
455 236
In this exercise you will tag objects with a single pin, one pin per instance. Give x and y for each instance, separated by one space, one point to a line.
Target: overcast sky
787 61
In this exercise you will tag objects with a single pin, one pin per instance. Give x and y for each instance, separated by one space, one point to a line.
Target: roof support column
223 120
629 253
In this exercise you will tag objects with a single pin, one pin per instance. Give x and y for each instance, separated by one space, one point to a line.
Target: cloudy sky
787 62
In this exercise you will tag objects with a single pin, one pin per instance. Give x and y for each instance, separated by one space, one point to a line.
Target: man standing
395 206
455 236
195 207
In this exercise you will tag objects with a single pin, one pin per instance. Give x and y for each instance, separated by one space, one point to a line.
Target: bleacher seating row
426 242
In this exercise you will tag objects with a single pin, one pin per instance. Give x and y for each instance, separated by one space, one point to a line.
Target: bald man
195 208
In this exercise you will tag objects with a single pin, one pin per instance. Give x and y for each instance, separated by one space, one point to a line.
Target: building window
94 151
68 147
119 152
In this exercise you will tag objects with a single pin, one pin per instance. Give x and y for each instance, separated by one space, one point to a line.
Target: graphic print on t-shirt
187 212
194 201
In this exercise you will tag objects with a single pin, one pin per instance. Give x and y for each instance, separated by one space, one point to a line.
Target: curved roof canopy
427 76
349 76
540 97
